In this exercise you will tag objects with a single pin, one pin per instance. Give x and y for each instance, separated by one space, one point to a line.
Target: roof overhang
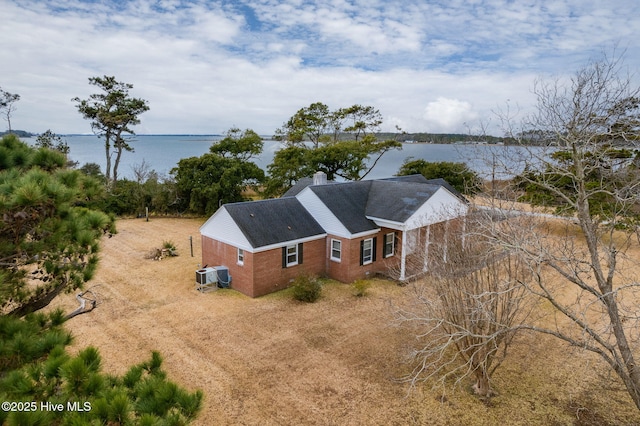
285 244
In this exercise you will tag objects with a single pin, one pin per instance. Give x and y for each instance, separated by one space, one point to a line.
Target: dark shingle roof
397 200
275 221
347 201
299 186
417 178
447 185
394 199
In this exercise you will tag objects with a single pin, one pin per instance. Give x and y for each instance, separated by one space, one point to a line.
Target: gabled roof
396 201
275 221
347 201
348 208
416 178
450 188
297 187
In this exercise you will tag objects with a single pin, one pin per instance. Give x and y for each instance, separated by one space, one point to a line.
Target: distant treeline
18 133
443 138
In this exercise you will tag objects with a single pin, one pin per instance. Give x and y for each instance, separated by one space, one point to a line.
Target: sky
438 66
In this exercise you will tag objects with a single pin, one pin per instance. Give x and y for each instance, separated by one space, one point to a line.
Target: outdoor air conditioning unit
223 277
206 276
212 277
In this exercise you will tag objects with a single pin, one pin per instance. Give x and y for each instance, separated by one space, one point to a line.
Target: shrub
306 288
360 287
171 247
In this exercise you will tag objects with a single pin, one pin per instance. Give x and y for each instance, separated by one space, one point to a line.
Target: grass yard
275 361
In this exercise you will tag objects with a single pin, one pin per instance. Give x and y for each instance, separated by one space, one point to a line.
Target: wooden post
191 244
146 213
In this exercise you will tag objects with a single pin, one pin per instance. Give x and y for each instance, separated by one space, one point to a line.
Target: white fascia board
321 213
441 206
327 220
287 243
385 223
221 227
360 234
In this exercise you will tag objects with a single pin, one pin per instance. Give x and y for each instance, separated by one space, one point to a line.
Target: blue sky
206 66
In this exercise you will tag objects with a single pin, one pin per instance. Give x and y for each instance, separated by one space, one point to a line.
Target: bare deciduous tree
583 266
465 312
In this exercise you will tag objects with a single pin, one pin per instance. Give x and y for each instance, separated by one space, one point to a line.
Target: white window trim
393 244
332 257
364 258
294 253
240 256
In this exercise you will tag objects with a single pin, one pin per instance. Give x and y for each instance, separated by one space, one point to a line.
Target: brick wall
349 268
270 276
262 273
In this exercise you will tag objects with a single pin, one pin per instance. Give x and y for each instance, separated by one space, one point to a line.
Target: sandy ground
274 361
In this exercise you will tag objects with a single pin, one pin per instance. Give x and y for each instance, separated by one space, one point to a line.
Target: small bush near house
307 288
360 287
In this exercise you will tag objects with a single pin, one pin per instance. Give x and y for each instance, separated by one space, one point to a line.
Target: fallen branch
87 304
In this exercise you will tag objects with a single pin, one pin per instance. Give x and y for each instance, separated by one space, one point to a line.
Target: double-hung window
367 251
292 255
240 256
389 244
336 250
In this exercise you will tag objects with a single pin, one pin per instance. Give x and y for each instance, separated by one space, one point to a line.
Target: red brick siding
349 268
262 272
216 253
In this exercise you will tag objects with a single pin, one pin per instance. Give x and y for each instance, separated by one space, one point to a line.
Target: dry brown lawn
274 361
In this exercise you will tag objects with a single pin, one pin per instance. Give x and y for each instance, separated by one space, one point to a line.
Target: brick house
345 231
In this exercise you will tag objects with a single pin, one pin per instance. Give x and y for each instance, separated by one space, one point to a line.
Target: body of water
162 153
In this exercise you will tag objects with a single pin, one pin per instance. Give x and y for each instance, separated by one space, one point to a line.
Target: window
336 250
389 244
366 251
240 256
292 255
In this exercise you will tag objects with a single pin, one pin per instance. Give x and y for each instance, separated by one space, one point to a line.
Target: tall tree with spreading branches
340 143
112 113
222 175
583 266
7 105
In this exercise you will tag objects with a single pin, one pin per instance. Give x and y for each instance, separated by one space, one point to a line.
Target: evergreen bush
307 288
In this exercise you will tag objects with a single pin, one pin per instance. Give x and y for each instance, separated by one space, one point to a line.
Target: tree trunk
116 163
107 149
630 374
39 302
482 387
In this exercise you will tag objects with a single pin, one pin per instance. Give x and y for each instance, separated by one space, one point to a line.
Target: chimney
319 178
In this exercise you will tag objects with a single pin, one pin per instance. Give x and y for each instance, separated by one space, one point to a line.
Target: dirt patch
274 361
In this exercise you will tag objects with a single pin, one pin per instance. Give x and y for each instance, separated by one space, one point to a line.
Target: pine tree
48 234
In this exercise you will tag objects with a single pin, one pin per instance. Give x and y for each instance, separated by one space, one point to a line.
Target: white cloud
448 115
205 66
